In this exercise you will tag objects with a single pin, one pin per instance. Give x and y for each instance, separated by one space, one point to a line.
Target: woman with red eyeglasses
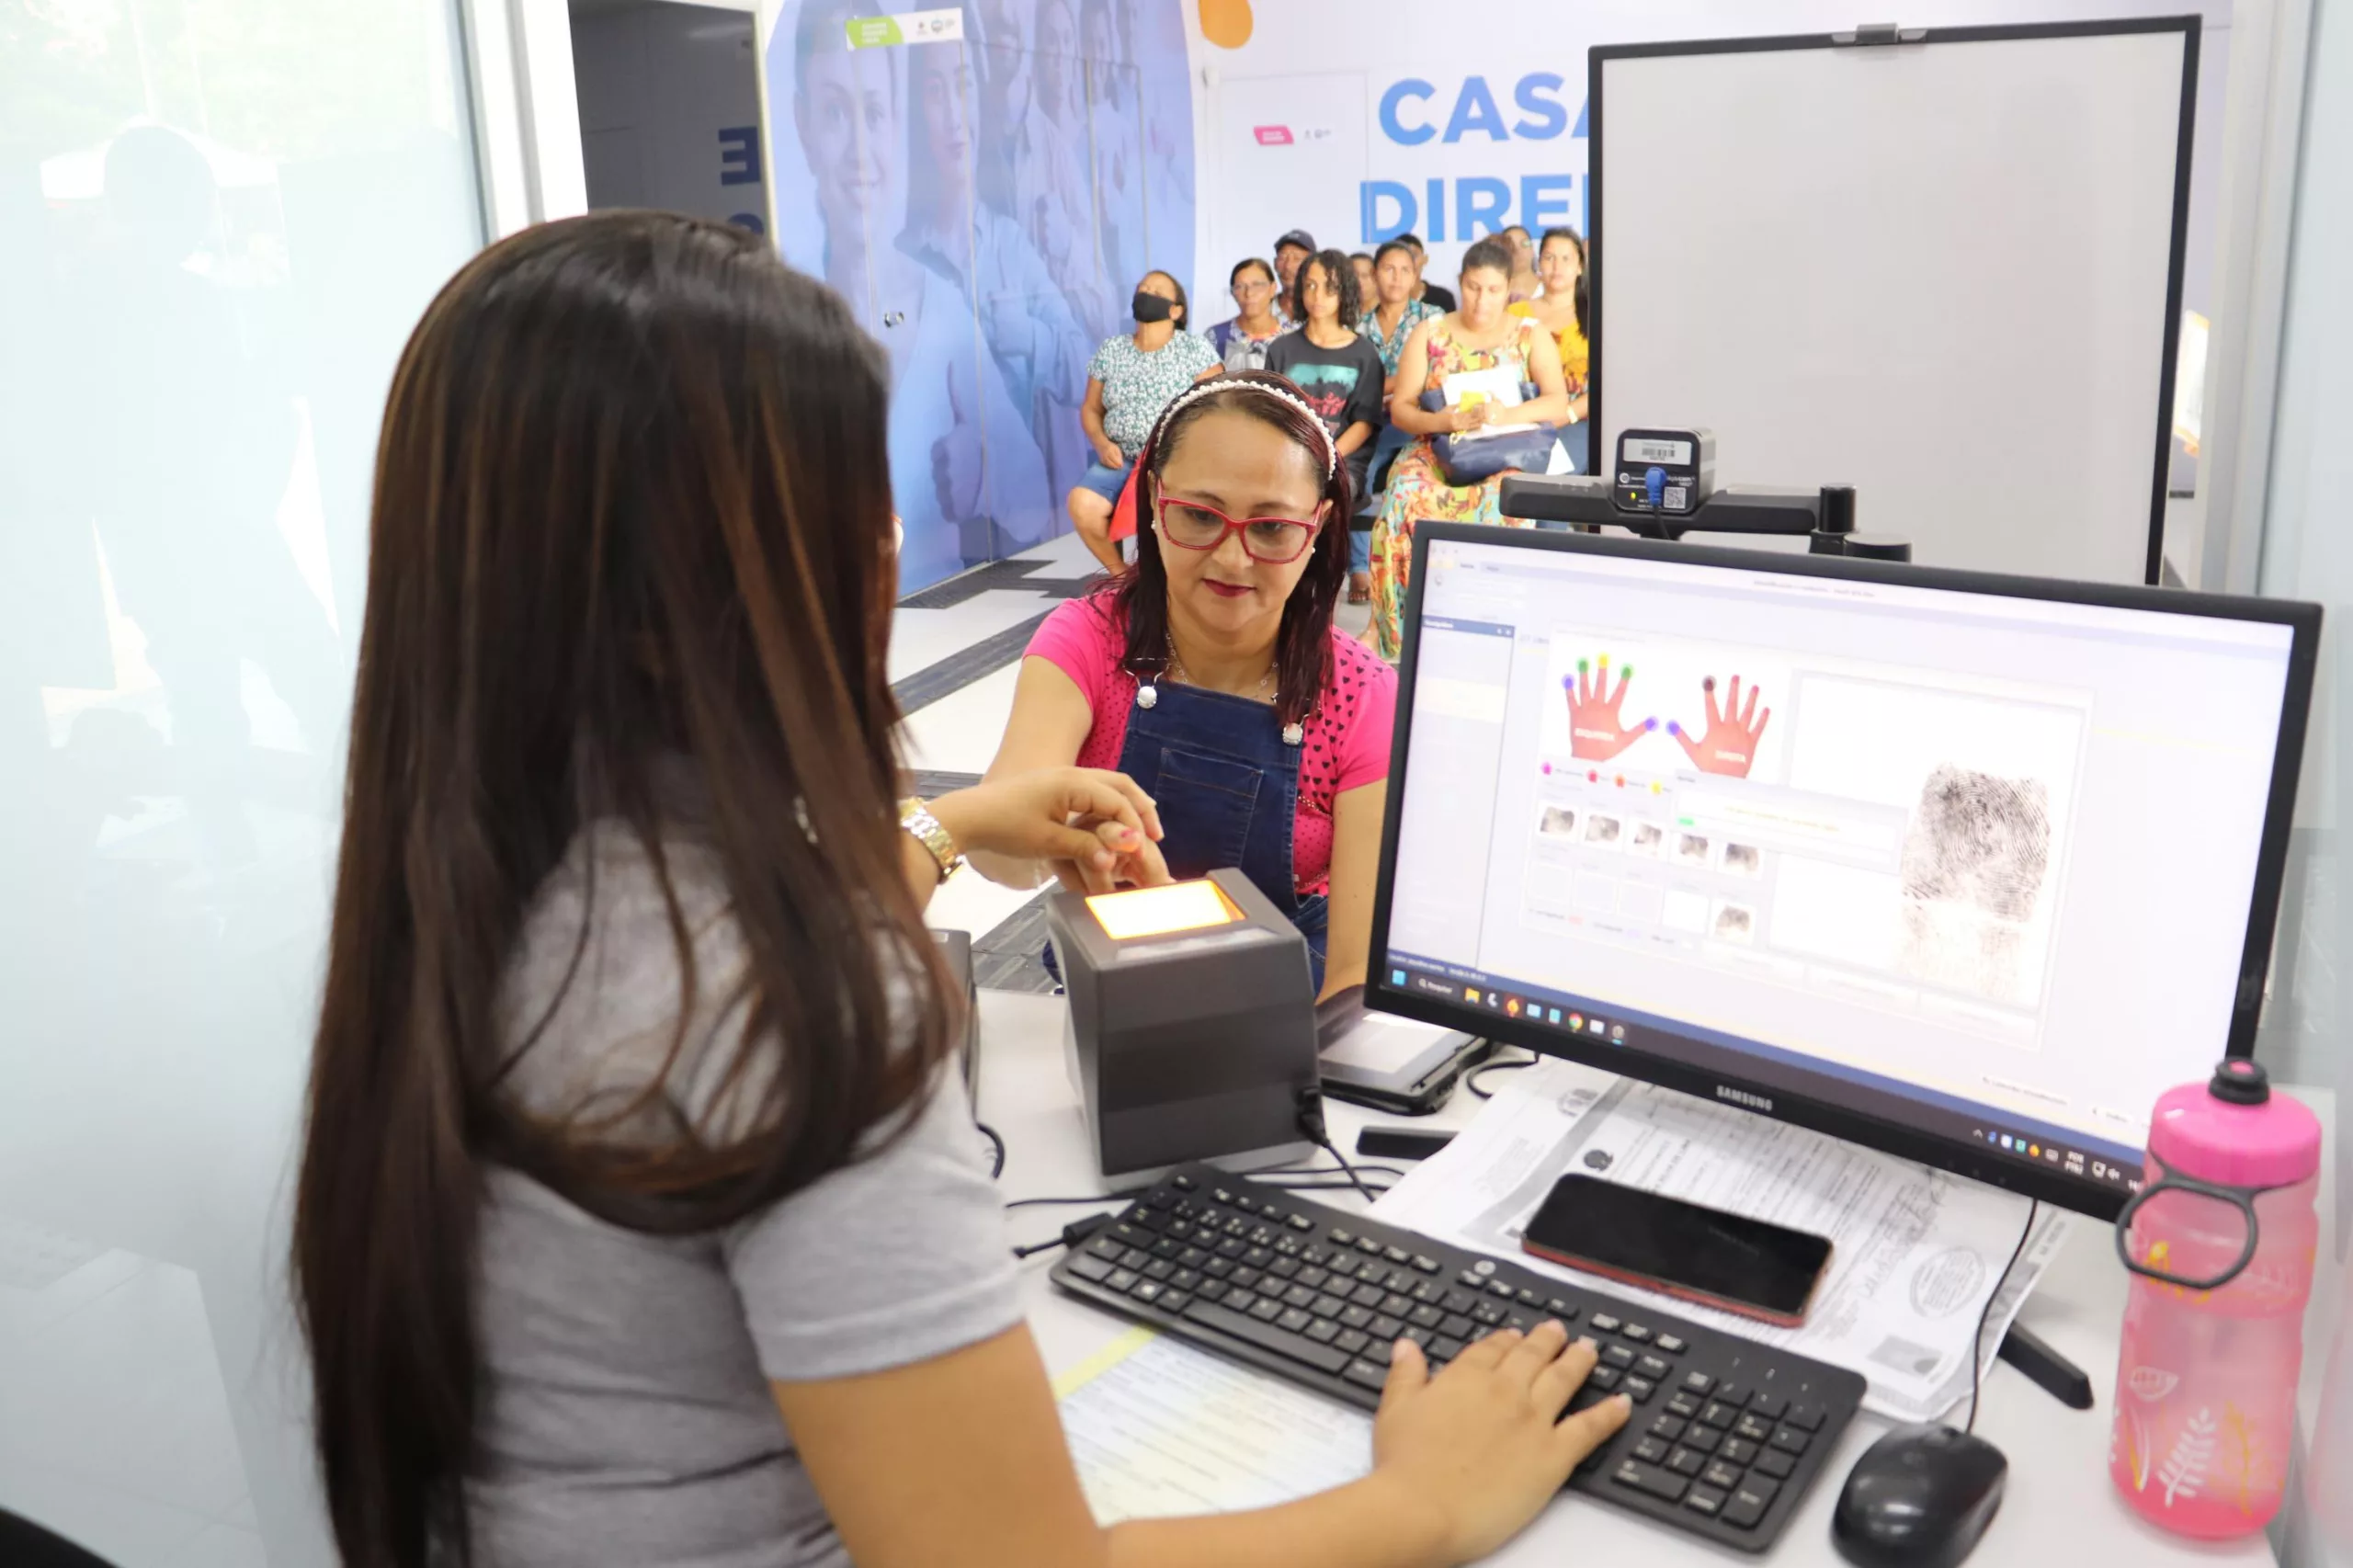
1210 672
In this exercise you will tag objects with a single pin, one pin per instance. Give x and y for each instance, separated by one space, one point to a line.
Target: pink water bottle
2220 1242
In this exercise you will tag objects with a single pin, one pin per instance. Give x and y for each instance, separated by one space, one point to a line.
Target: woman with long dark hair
1340 373
1211 672
636 1220
1560 263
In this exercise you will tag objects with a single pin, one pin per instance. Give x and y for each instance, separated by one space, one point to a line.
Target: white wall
219 221
670 110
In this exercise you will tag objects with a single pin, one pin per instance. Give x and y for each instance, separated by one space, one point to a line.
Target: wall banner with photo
985 183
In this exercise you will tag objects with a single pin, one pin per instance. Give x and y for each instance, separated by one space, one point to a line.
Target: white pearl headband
1211 389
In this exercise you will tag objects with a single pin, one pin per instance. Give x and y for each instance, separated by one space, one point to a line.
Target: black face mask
1150 308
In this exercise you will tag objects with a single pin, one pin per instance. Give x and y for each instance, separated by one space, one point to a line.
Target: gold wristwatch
916 818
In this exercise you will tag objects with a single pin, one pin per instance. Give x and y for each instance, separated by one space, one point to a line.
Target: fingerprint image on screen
1974 861
1558 822
1734 923
1646 839
1602 830
1743 860
1691 848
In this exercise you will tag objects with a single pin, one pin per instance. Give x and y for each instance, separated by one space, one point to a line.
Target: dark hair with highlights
1342 277
631 546
1139 597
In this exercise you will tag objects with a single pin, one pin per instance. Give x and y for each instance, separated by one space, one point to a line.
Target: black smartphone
1743 1266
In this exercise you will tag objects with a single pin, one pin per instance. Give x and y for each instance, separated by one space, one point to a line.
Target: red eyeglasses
1196 524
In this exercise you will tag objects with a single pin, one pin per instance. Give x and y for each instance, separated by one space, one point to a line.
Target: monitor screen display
1966 873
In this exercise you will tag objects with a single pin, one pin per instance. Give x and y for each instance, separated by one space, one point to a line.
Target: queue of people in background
1559 308
1478 336
1524 280
1340 373
1133 376
1240 342
1343 328
1390 315
1290 253
1425 291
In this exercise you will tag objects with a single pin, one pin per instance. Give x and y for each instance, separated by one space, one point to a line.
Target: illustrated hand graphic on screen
1730 745
1595 732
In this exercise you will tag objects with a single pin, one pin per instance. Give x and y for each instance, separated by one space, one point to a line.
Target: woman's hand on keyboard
1483 1442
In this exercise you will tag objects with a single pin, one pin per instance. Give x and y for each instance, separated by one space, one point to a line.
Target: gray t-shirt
627 1415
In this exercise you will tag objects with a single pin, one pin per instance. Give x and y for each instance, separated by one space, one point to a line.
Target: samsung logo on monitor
1743 1097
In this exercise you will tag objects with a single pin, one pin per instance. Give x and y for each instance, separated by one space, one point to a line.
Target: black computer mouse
1918 1498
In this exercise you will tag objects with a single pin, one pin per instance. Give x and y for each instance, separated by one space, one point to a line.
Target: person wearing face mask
1210 673
1133 376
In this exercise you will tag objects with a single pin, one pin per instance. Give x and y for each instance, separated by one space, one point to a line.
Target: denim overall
1226 782
1227 785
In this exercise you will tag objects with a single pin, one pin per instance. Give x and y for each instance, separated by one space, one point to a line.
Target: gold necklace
1176 669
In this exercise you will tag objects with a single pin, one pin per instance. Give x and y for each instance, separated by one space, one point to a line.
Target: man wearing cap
1291 253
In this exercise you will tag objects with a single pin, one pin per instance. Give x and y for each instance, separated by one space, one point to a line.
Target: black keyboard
1726 1434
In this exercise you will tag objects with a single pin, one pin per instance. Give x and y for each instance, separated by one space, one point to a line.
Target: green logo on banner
873 32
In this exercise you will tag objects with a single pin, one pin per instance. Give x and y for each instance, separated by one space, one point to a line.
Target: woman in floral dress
1477 336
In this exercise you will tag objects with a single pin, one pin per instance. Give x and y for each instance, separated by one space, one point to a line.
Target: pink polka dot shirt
1347 737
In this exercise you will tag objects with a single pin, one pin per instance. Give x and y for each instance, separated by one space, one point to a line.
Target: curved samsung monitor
1965 868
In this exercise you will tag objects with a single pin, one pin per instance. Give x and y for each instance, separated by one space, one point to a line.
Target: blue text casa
1414 111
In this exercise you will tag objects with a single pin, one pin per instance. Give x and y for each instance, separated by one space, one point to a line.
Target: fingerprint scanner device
1192 1024
1665 471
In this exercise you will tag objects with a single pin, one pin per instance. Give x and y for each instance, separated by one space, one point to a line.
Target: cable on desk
1977 1340
1281 1173
1311 1122
1073 1233
1376 1188
1113 1200
996 1164
1471 1079
1309 1177
1311 1127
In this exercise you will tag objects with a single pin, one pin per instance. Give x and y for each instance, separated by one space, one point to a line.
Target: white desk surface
2059 1507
